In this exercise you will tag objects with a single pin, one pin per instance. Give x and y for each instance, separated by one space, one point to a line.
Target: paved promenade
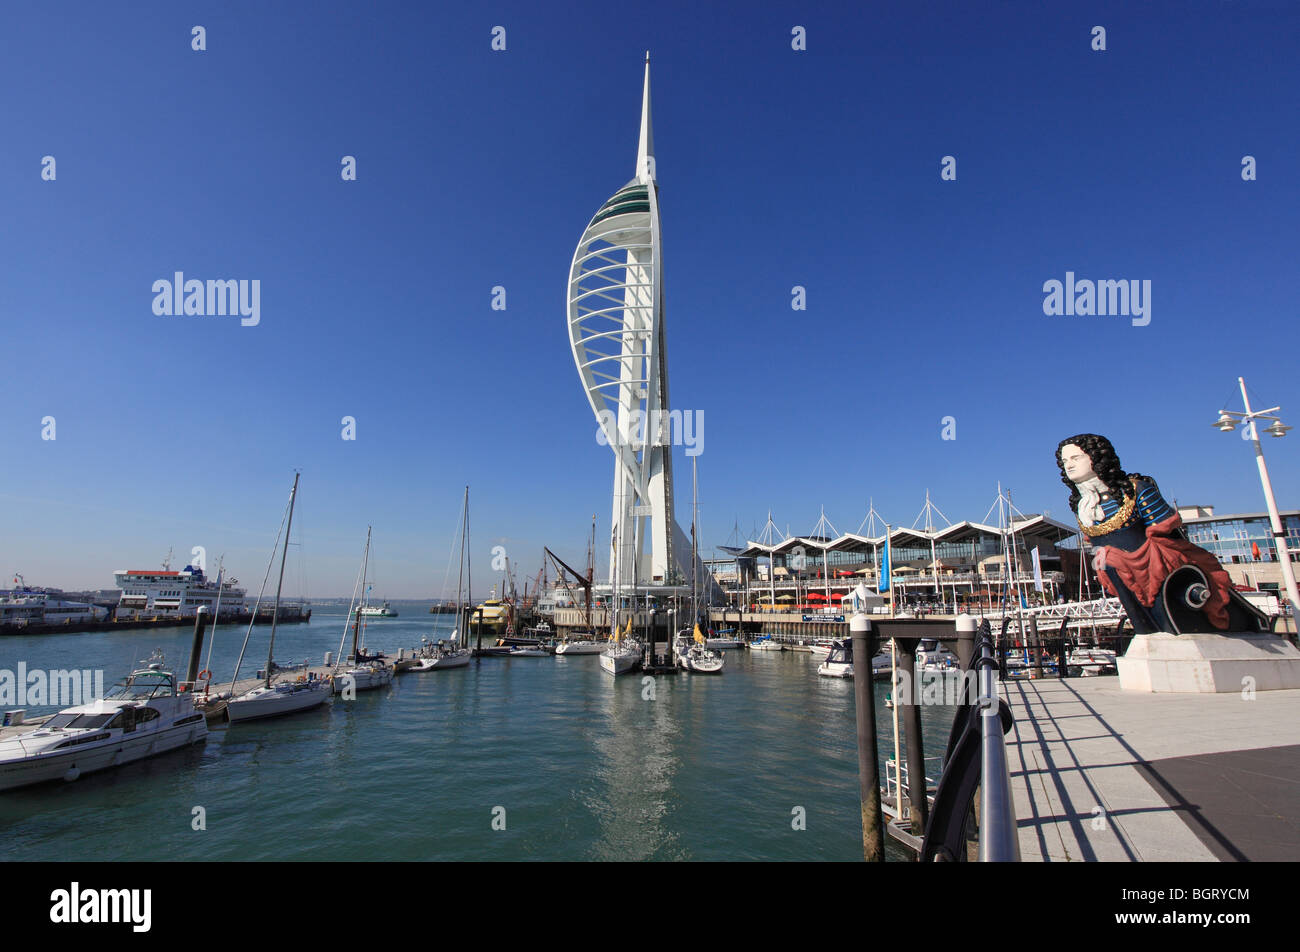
1104 774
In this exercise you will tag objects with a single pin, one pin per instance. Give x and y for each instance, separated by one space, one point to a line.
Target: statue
1141 553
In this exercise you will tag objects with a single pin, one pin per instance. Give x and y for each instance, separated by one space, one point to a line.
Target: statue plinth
1209 663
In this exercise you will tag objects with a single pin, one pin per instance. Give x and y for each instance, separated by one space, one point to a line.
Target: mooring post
196 652
966 626
1037 644
911 711
873 831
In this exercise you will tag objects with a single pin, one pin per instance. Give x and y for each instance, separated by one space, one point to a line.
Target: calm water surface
584 766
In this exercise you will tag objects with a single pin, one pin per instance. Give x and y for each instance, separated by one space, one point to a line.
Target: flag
1038 572
1023 602
884 571
1254 551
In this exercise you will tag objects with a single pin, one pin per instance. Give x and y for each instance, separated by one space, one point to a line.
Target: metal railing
999 841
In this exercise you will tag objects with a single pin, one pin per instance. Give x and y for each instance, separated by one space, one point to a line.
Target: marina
605 753
1095 673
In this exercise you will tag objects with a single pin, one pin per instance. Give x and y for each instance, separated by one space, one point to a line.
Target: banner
884 571
1038 572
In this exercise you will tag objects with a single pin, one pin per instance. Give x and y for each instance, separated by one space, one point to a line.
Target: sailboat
452 653
692 649
624 652
274 698
366 671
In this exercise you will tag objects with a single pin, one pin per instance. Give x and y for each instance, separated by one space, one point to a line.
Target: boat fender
72 773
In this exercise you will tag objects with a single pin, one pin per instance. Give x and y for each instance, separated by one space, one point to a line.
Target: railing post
999 838
873 831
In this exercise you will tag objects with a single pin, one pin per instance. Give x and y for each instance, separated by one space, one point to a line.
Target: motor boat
820 650
765 643
145 714
581 647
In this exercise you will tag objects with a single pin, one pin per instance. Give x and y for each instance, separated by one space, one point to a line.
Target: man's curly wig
1105 463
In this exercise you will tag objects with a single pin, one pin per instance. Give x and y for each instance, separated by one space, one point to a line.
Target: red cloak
1145 569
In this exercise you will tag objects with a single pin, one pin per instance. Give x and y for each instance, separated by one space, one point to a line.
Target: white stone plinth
1209 664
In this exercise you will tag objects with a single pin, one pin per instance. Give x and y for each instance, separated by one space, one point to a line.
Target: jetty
1100 773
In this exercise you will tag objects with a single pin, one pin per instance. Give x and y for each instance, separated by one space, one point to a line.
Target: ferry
149 593
23 606
376 611
495 615
144 714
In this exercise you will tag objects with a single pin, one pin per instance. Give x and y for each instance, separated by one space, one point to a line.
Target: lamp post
1228 421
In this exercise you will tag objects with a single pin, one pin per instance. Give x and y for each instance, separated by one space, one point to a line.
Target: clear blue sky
477 168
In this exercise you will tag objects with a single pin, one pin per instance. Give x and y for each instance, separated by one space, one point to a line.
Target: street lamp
1228 421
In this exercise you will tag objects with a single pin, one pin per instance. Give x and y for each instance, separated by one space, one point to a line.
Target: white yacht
820 650
583 646
765 643
933 655
142 715
442 655
620 657
839 663
284 697
693 654
725 640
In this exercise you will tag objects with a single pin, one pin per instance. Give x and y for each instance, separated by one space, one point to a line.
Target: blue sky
476 168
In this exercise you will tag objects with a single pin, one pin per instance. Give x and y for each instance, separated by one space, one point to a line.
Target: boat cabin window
79 721
133 717
143 687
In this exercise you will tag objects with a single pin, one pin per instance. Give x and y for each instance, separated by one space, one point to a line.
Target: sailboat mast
460 568
275 612
695 514
469 568
216 614
356 625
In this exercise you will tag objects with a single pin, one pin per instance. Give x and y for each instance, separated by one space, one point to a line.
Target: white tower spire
645 149
616 330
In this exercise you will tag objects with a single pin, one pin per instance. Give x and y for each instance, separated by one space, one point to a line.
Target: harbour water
586 767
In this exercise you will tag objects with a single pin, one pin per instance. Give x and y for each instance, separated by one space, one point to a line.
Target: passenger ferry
24 606
147 593
375 611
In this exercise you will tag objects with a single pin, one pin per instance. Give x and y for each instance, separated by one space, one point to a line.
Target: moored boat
145 714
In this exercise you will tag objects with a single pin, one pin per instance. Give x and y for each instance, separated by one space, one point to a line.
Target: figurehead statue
1141 553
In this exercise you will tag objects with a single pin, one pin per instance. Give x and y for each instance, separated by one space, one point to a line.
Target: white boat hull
363 679
579 648
619 662
89 758
264 702
458 660
836 669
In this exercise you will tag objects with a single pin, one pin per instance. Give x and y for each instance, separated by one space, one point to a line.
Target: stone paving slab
1080 793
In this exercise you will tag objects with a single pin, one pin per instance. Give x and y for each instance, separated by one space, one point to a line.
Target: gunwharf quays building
961 567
